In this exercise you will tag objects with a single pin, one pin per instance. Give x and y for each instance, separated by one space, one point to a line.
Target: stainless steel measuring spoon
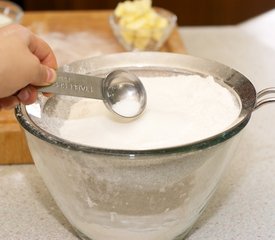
122 92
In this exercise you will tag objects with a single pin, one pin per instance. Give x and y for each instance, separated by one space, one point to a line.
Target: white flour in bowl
180 109
4 20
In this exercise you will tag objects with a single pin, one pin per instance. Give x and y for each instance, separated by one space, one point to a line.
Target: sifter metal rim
237 83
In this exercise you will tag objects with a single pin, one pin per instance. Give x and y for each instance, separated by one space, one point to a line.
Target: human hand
26 61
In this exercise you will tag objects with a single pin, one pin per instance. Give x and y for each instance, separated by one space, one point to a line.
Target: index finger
42 51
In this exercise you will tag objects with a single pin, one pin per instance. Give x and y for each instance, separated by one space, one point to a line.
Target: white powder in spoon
180 110
127 107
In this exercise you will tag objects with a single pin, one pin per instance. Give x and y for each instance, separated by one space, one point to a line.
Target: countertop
243 206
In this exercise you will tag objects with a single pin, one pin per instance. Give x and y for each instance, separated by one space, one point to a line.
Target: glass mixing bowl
134 194
10 12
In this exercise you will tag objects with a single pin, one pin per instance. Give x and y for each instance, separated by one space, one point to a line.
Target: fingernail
51 75
23 95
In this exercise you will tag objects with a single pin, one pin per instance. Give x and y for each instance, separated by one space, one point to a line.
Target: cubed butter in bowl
140 27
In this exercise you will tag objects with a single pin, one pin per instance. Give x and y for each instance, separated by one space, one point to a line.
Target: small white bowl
151 44
10 13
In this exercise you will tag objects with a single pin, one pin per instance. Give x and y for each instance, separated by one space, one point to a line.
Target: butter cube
139 23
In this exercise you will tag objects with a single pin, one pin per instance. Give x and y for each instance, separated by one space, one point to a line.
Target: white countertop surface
243 206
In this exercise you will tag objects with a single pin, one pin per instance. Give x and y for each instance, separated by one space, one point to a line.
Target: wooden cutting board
13 146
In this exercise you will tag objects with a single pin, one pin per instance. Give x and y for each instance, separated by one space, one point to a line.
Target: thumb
45 76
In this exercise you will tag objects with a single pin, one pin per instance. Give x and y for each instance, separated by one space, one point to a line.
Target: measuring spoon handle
74 84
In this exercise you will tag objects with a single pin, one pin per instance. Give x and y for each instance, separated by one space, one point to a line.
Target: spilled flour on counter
79 45
180 109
